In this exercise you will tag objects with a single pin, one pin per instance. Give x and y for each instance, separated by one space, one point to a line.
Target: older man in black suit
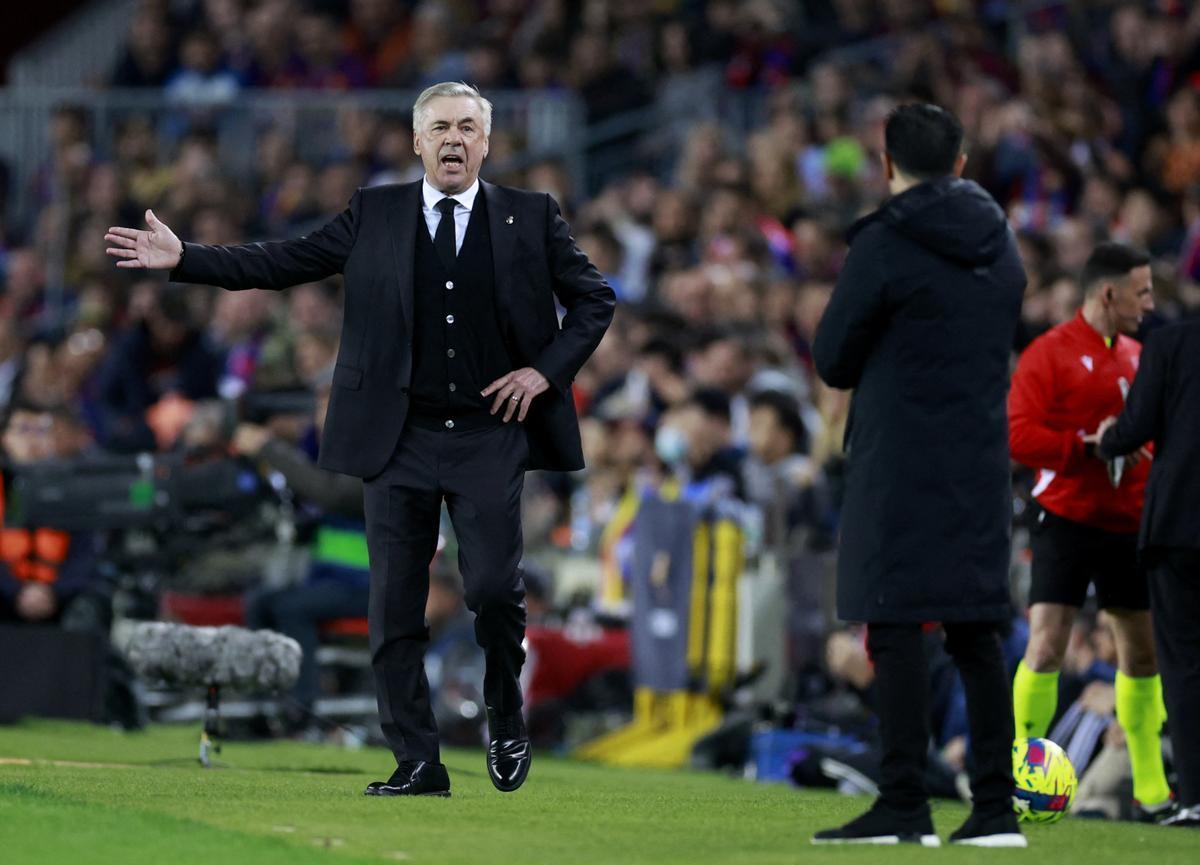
453 378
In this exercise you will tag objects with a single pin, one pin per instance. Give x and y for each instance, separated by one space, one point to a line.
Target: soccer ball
1045 780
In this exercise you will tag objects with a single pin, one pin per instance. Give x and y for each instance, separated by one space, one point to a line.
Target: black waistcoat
458 348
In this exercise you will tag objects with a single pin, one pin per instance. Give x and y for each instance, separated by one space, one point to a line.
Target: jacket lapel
402 225
504 239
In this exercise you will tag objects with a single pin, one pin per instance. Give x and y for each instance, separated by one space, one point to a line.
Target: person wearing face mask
695 441
453 378
1088 511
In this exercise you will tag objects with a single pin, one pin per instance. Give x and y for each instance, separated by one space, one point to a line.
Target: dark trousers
298 612
902 689
1175 605
480 473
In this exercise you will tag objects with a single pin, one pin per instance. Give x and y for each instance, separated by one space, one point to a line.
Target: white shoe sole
1006 839
926 840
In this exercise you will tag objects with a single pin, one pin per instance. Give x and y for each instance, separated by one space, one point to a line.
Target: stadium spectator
695 441
148 57
780 477
162 356
12 354
380 31
257 348
200 80
326 64
47 575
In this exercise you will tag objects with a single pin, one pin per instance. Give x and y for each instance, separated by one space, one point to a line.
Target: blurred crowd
723 239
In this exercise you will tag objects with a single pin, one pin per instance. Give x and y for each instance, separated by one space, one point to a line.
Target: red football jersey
1066 382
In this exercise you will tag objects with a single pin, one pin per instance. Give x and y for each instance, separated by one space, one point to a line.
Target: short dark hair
1110 260
923 140
711 402
666 349
787 412
706 338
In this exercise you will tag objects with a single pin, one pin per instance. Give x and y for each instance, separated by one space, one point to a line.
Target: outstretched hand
516 391
156 249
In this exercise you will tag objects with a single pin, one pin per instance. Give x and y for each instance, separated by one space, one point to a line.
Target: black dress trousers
480 472
1175 601
902 687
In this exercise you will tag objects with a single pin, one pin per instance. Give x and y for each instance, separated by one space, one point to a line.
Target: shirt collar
465 199
1089 333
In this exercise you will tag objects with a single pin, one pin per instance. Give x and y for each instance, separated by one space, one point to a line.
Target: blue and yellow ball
1044 780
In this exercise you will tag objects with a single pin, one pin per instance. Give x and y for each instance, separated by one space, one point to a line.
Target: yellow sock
1139 712
1035 698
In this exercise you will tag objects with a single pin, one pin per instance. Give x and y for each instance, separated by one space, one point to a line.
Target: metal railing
545 124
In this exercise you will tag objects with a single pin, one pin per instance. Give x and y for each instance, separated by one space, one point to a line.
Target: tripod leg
209 740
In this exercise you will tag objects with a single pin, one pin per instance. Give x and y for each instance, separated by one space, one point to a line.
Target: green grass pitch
74 794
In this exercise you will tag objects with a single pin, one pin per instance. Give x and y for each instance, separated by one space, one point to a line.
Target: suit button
449 352
452 387
449 424
449 284
449 319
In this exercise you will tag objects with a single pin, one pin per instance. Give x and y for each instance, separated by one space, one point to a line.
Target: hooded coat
921 326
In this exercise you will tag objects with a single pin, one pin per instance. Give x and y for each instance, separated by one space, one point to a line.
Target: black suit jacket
1164 407
371 242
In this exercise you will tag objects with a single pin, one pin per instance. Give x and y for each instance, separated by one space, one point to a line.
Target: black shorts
1068 556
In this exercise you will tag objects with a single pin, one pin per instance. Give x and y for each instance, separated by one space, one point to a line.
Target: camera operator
48 576
338 578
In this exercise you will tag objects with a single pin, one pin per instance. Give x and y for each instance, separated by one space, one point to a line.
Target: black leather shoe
413 778
509 753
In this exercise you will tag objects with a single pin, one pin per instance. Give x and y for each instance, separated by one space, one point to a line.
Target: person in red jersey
1089 510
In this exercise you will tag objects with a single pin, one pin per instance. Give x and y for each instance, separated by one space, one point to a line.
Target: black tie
443 238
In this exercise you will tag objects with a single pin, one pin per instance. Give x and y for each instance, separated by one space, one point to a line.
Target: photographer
338 579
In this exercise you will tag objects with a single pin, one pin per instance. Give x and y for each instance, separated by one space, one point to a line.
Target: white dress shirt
465 200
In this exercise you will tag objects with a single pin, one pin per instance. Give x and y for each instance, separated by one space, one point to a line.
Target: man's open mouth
452 159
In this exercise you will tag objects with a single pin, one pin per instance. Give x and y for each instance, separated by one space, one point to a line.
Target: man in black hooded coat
921 326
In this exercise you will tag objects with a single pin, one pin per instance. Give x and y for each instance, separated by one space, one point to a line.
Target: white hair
450 88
